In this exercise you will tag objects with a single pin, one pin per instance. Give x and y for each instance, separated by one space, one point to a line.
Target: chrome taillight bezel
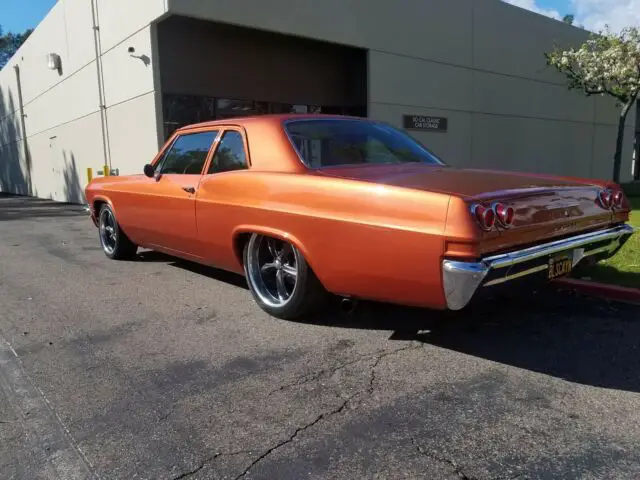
611 199
482 217
605 198
504 214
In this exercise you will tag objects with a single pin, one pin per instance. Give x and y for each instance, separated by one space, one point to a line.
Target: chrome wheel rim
272 269
108 235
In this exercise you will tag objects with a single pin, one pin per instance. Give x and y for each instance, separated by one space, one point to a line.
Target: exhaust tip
348 305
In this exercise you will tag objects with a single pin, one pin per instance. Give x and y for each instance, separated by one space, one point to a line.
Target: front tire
280 280
115 243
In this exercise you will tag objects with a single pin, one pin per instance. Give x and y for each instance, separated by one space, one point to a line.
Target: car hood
450 180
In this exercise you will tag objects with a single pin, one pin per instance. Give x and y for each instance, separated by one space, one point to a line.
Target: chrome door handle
189 189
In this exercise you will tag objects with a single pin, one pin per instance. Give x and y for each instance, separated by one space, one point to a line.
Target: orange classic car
310 205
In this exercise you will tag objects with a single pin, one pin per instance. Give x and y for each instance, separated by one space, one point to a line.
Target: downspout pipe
25 145
101 96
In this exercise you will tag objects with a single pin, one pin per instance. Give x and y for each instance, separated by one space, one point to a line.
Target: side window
230 154
188 153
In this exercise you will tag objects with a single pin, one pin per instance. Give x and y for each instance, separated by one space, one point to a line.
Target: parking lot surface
163 369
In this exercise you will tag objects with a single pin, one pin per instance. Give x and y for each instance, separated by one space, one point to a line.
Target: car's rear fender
362 240
242 233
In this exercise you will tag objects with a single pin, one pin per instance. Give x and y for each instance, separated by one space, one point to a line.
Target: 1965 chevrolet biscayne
303 205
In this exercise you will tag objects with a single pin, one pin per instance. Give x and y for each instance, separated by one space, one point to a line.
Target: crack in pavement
167 414
382 356
456 468
325 371
295 434
331 371
206 461
369 390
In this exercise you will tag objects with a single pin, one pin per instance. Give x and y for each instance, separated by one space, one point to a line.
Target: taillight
504 214
486 217
609 198
606 198
618 199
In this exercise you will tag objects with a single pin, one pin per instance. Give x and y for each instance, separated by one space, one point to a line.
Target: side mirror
149 171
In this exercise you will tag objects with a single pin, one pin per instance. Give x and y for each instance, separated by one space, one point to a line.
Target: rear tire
280 280
115 243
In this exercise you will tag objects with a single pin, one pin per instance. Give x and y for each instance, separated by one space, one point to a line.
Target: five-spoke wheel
114 241
279 277
108 237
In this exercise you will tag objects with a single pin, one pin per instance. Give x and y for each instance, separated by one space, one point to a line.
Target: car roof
266 119
269 146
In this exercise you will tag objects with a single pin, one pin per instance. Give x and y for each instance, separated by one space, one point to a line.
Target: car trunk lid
546 206
543 214
464 183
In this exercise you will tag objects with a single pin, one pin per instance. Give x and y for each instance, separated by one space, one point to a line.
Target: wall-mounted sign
424 122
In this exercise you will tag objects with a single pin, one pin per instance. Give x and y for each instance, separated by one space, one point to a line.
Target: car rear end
495 238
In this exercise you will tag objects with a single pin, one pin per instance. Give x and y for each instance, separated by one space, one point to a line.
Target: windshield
332 142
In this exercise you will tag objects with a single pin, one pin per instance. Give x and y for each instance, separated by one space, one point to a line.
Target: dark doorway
211 71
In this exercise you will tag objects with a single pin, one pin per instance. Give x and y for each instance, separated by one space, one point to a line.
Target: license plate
560 266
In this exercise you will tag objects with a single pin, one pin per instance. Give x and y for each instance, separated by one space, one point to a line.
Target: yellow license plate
559 266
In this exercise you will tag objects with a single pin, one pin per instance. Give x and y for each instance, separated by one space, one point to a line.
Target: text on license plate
559 266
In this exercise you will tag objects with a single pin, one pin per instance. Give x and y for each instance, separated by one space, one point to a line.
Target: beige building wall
62 109
479 63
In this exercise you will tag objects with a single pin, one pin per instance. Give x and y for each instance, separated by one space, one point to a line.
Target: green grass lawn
624 267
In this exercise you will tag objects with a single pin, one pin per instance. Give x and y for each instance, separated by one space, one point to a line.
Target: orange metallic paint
377 232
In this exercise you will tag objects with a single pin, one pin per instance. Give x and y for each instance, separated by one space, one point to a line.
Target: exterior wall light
53 61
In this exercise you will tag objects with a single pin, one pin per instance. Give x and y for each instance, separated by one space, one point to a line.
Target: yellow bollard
89 174
105 169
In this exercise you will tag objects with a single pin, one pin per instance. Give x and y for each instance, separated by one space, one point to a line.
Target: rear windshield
332 142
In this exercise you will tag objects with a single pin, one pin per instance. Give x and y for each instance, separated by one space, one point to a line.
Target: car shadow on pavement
150 256
554 332
557 333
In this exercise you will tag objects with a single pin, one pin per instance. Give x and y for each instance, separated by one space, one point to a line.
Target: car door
216 203
166 206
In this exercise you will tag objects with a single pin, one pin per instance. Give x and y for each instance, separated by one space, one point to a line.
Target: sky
18 15
592 14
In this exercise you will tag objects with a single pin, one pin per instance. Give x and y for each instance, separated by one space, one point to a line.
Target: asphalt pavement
162 369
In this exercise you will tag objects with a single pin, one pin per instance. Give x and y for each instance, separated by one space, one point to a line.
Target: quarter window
188 153
230 154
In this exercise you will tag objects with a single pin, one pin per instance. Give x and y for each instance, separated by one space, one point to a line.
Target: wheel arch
98 201
241 236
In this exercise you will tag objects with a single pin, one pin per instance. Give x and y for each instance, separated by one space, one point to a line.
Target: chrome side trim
461 280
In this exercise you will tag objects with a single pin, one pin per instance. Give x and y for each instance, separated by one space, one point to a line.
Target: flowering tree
606 64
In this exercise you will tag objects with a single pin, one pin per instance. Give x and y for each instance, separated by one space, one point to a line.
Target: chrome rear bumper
462 279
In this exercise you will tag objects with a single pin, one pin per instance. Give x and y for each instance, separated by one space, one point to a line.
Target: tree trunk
617 158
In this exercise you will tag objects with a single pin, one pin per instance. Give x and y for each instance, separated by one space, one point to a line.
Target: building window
181 110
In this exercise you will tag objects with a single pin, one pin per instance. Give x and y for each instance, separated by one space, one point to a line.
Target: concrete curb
603 290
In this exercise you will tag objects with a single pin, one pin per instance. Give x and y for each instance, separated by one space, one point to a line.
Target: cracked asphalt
162 369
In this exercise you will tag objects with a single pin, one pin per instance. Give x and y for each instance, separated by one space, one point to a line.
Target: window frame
224 129
162 155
